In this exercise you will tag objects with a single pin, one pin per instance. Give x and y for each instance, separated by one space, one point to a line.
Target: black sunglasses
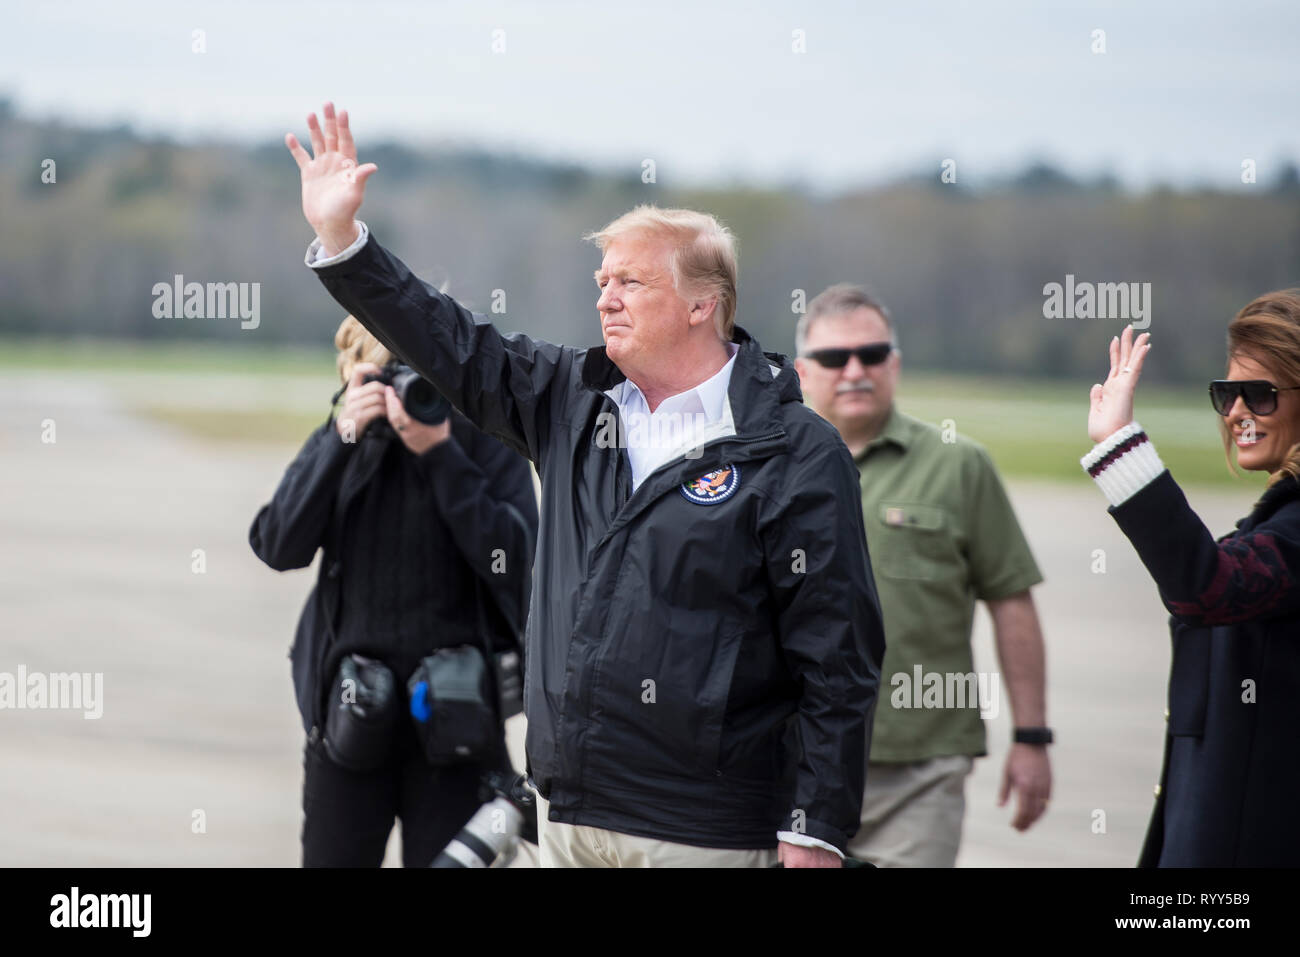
869 355
1260 395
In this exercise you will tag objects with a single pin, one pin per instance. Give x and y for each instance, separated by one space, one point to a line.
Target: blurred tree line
963 270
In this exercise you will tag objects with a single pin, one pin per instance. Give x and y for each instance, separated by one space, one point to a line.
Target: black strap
335 401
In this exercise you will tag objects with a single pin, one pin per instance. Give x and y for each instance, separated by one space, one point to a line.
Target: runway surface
98 539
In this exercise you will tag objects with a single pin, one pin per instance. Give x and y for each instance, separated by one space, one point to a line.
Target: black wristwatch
1032 736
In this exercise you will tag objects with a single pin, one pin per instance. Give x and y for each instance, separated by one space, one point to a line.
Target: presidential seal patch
712 487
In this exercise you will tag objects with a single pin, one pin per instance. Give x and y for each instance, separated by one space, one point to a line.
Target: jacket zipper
604 642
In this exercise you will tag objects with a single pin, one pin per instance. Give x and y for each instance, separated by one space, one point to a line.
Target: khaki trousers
912 813
577 845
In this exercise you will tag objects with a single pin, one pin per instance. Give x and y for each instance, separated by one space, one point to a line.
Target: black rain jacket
698 673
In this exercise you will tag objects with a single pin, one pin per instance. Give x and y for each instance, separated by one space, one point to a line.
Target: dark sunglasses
869 355
1260 395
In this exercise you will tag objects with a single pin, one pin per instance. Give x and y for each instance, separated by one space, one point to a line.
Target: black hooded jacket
702 659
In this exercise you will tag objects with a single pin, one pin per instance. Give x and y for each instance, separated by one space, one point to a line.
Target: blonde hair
356 344
1267 330
703 258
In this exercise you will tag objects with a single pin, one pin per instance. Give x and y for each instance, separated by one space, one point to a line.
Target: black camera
421 400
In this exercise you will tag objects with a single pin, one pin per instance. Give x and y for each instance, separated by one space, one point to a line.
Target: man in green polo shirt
942 535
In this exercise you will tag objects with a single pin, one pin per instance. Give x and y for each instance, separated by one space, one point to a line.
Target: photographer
705 647
428 532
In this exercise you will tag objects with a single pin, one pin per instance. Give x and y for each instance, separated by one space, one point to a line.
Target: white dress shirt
681 423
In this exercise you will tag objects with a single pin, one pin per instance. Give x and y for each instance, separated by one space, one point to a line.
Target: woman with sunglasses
1229 794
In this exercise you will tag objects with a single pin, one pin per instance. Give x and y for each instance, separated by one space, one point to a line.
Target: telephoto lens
491 833
491 837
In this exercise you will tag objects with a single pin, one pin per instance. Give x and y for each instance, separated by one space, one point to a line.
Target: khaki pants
577 845
912 813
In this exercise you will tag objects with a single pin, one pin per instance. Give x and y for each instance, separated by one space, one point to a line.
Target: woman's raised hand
1111 403
333 185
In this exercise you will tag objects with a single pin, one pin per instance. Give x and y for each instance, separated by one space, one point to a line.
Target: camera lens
420 399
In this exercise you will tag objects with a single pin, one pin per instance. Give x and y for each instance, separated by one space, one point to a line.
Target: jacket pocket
660 703
911 541
714 703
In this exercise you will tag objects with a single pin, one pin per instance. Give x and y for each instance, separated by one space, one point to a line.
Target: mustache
864 386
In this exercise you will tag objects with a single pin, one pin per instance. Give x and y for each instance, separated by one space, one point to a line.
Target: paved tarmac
196 760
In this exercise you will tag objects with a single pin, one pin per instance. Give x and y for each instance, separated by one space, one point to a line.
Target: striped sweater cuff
1123 463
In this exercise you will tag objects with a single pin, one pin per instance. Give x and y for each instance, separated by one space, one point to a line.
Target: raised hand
333 185
1111 404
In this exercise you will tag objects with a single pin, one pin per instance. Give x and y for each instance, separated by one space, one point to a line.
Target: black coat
671 644
1230 788
405 539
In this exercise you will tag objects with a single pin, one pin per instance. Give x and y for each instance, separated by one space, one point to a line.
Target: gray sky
710 90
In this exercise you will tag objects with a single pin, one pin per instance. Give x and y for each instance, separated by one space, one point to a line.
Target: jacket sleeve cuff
316 260
1123 463
803 840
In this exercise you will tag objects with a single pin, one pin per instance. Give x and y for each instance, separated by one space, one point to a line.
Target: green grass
1032 428
134 355
149 378
273 426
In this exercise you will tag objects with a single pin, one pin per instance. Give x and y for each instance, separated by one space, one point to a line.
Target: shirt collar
711 394
713 390
897 430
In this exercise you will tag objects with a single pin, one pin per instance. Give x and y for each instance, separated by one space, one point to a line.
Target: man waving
704 642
